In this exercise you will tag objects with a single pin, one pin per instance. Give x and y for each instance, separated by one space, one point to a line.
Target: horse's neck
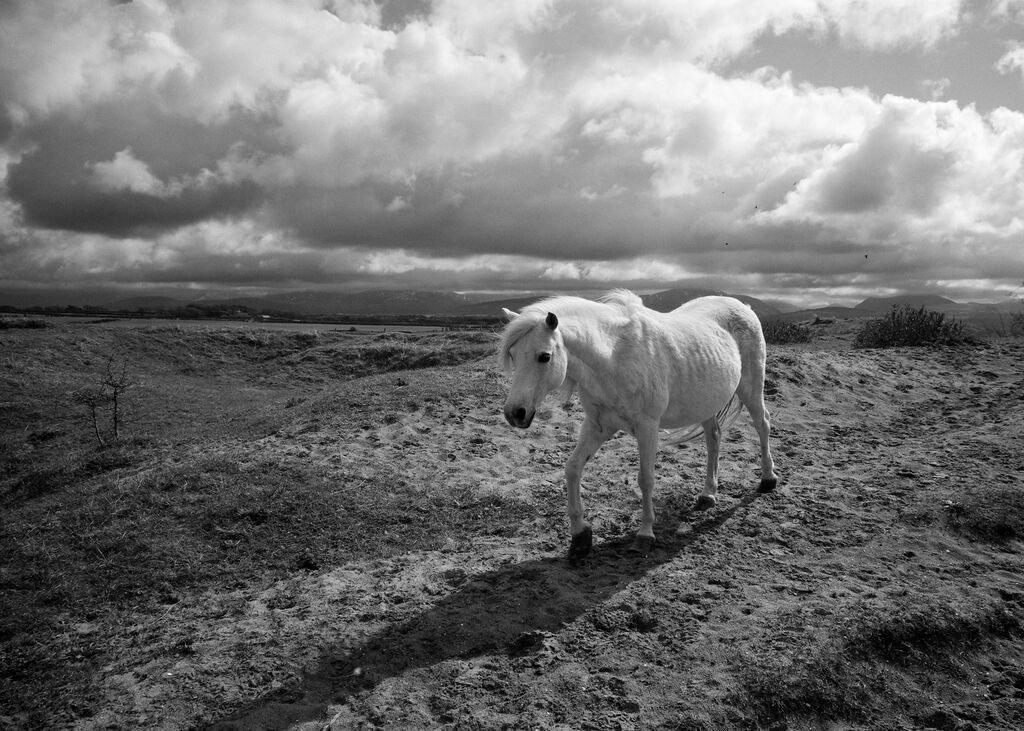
590 349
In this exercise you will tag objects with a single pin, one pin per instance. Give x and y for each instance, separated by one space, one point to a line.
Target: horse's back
717 307
733 316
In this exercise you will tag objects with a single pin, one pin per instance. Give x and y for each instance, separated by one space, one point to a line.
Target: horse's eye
544 357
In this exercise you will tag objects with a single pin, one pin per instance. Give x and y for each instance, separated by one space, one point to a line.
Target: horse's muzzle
518 416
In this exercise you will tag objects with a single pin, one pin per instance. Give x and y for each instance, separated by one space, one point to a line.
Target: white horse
639 371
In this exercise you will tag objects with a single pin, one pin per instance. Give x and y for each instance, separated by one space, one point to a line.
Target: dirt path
873 587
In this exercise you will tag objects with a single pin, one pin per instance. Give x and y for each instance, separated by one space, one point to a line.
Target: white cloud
126 172
603 273
203 56
935 89
1011 11
397 203
887 24
941 183
1012 61
564 270
590 194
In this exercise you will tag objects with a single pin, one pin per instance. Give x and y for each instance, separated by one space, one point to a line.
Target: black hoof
643 544
767 485
705 502
580 545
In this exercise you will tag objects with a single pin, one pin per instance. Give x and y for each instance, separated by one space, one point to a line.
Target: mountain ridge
426 303
884 304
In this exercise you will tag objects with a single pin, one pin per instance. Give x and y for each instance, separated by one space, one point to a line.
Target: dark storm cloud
75 206
56 186
596 205
396 13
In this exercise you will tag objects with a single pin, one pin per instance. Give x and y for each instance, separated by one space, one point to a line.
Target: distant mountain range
876 306
400 302
370 302
307 303
928 301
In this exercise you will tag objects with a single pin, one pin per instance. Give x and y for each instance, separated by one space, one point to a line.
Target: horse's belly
702 395
692 409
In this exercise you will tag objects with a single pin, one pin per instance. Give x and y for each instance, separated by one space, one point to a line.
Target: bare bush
106 394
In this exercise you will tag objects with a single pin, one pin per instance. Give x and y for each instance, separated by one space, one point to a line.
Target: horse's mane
515 329
567 308
623 298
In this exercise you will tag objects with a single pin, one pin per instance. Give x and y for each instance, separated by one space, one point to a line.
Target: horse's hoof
580 545
643 544
705 502
767 485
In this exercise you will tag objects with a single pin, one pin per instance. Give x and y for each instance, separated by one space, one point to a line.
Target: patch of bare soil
878 587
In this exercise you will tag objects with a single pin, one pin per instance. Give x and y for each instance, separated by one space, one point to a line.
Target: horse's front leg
647 444
592 436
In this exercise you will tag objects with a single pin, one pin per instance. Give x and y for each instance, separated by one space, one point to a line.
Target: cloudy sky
810 150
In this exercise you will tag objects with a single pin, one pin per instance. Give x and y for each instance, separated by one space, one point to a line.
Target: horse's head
532 348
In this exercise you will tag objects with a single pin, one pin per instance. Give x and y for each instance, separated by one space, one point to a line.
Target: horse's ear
509 314
552 320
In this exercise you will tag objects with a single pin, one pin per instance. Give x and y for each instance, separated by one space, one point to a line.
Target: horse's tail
725 419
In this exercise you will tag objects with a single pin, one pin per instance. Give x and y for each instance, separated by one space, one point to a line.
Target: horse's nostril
519 414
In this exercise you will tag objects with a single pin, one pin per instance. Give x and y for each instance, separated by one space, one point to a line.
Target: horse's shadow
498 611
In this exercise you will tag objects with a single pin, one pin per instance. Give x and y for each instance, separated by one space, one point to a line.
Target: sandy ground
846 599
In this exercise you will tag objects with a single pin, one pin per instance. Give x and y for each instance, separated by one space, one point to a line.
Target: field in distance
296 528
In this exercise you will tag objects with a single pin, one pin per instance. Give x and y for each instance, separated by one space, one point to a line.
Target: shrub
908 326
780 332
1017 323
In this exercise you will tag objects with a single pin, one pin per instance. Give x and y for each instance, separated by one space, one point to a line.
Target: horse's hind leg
712 438
592 436
753 400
